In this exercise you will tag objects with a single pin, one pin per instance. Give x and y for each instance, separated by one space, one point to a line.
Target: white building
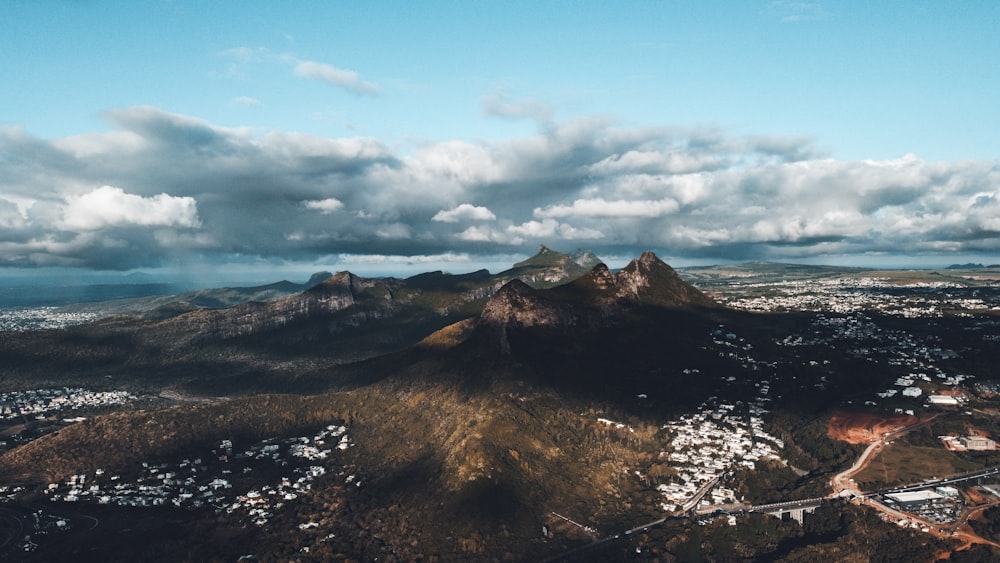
945 400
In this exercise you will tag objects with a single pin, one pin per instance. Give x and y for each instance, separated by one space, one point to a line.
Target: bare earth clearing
864 428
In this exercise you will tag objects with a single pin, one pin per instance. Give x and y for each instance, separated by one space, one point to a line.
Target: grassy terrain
902 464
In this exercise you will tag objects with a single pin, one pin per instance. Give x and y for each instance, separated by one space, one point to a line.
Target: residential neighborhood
46 402
228 479
715 441
844 295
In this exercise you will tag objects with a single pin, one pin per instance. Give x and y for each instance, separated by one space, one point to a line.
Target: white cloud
464 212
550 228
94 144
108 206
671 161
480 234
535 229
270 195
342 78
324 206
599 207
569 232
368 259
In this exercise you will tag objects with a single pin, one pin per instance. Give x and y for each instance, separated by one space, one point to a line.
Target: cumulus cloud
325 206
464 212
108 206
549 229
161 187
339 77
600 207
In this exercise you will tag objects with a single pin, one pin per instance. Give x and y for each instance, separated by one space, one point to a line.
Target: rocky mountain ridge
595 298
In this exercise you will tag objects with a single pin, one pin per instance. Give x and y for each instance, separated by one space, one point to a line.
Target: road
787 505
949 532
842 481
641 528
988 472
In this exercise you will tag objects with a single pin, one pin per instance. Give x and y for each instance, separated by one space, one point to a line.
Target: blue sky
270 135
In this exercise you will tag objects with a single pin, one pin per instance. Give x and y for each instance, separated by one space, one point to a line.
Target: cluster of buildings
968 443
719 439
861 336
223 480
40 403
850 295
942 505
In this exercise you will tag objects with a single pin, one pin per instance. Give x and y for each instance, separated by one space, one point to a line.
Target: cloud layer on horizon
163 188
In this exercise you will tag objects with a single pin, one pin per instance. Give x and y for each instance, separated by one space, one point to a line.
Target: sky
247 139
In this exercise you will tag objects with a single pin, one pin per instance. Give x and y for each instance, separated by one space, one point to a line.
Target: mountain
596 297
548 268
268 343
160 307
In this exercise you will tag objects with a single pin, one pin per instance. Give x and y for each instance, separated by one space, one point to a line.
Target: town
844 295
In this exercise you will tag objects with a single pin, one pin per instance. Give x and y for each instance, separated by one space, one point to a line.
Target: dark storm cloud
162 187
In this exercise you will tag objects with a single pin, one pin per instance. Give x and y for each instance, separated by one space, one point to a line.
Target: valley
514 416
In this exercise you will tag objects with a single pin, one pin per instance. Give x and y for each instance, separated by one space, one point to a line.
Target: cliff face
518 304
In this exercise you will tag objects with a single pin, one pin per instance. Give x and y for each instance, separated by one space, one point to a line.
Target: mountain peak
595 297
318 278
548 267
652 281
585 258
648 257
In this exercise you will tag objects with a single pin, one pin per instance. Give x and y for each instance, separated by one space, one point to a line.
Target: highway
787 505
642 528
990 471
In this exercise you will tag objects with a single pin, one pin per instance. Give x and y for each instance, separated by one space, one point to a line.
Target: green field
902 464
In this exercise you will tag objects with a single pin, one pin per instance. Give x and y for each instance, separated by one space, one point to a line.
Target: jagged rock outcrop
518 304
651 281
594 298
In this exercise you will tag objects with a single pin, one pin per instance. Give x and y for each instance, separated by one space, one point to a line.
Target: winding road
842 481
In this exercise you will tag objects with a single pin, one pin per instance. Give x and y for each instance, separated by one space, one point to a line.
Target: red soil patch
975 498
865 427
